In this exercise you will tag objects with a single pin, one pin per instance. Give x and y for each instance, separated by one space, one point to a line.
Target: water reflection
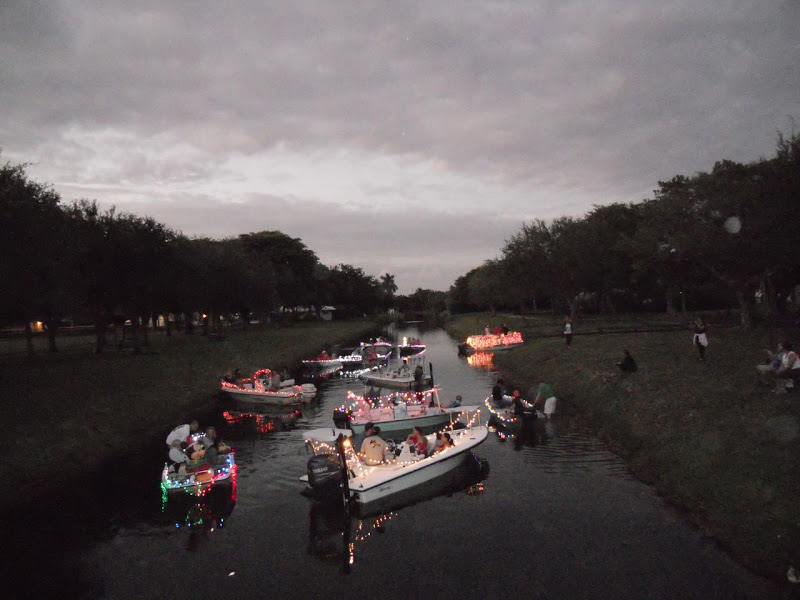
337 534
239 421
200 515
481 360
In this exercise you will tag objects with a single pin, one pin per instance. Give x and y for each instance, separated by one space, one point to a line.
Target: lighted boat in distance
406 373
257 390
491 343
398 411
338 472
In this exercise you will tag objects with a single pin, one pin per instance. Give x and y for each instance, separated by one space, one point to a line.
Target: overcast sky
405 137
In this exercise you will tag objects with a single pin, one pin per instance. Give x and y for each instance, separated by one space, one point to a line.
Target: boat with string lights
258 390
407 373
505 422
491 343
337 471
398 411
366 353
197 480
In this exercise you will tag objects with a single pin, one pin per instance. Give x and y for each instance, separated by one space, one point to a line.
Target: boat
407 373
337 471
411 347
256 390
365 354
399 411
491 343
197 481
507 424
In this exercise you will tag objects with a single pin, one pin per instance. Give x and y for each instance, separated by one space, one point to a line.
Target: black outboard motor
341 417
325 476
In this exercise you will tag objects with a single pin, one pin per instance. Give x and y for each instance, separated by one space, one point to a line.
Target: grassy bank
703 433
66 413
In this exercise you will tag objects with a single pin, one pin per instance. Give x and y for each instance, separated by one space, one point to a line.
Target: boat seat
381 414
416 410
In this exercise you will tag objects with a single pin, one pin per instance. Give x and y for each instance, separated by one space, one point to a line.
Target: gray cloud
489 112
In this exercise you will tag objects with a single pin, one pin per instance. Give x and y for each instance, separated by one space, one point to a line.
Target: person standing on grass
700 337
568 330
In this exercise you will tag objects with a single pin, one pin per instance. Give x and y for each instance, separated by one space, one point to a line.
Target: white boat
407 373
337 470
256 390
197 481
491 342
400 411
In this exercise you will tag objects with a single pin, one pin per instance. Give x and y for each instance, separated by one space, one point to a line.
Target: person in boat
275 381
547 397
628 364
417 441
438 443
498 397
214 446
448 403
323 355
374 449
196 454
183 433
419 374
504 329
486 330
520 405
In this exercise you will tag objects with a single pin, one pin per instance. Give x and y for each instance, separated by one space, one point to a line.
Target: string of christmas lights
488 341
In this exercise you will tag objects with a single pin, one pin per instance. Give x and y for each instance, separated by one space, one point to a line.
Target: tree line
75 261
724 239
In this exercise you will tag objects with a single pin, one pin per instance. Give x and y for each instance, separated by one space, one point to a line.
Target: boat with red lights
491 342
259 389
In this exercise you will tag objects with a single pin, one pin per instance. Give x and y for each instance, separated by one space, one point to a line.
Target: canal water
558 517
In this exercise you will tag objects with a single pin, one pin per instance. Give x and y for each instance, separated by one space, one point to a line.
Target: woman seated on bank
417 442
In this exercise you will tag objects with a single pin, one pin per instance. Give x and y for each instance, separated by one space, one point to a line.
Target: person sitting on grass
789 369
628 364
766 373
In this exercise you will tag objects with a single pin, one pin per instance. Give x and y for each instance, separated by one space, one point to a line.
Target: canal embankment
703 433
71 413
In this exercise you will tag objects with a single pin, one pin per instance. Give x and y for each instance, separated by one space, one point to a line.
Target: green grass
703 433
66 413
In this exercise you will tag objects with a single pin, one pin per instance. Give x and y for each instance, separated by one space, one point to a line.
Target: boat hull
391 479
197 482
267 398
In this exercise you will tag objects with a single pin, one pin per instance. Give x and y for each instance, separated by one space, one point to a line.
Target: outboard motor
325 475
341 416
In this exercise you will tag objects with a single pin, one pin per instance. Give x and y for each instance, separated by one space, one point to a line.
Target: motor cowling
325 475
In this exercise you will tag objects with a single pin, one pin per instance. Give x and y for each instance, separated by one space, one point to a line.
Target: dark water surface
558 519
